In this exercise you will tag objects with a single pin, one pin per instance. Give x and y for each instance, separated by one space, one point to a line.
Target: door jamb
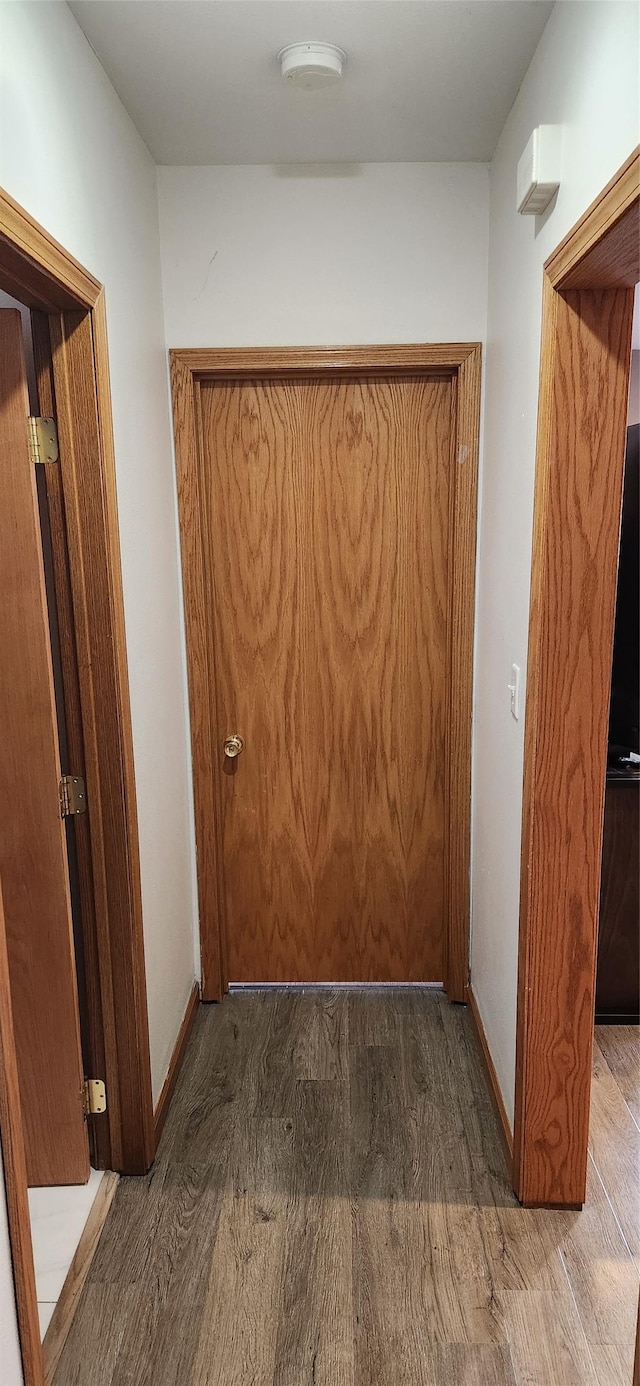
584 376
457 361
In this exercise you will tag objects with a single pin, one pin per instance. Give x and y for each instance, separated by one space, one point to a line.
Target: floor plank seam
578 1313
612 1207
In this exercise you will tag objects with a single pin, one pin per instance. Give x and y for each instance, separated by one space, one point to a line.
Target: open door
33 851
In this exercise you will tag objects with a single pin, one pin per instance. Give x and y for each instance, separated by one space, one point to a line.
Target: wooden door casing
588 299
327 510
33 858
192 371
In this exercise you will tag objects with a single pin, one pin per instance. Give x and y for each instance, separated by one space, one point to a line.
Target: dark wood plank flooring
330 1207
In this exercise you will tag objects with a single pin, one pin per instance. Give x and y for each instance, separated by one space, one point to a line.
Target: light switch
514 689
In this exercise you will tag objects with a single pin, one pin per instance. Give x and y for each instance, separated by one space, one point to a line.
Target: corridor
330 1207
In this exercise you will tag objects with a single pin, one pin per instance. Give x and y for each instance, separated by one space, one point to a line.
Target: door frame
71 349
459 362
584 381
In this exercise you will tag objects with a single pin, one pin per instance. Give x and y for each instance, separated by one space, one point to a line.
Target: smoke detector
312 65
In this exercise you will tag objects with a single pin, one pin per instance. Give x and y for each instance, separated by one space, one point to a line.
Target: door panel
326 513
33 858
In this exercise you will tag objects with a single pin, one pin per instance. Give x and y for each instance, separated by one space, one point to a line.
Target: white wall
10 1368
583 76
71 156
633 416
310 254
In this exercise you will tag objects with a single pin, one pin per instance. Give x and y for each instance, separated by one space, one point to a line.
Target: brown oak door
326 508
33 853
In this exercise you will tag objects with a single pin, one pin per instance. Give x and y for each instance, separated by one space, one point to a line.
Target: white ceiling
423 80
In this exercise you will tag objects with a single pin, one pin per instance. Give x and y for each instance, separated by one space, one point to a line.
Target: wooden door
326 508
33 856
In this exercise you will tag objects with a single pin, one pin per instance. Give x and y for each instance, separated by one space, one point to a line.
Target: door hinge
73 796
43 439
95 1096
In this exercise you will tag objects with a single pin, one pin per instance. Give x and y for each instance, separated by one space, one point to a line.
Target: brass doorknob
233 745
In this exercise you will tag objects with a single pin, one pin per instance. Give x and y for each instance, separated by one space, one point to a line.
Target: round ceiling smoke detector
312 64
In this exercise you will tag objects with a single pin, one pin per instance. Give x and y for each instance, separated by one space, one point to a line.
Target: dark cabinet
618 977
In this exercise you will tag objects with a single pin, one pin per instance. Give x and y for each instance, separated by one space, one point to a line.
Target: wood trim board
15 1179
64 1312
460 361
92 530
575 263
461 635
35 268
200 674
495 1090
636 1355
234 363
584 378
175 1064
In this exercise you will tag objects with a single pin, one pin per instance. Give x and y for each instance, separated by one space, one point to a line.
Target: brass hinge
95 1096
43 439
73 796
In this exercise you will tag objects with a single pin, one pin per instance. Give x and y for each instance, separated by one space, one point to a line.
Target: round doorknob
233 745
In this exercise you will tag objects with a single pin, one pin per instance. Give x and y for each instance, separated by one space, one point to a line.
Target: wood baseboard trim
63 1314
636 1359
492 1079
164 1100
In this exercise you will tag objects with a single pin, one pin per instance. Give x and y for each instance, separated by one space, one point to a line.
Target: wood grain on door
326 510
33 860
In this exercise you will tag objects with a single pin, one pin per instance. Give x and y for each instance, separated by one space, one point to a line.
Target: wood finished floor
330 1207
